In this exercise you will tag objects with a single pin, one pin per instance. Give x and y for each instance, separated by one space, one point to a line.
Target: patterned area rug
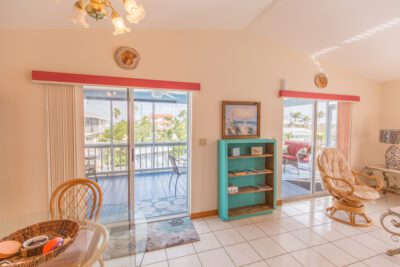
133 239
162 206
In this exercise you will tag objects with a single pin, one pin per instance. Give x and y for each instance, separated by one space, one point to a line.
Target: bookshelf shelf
230 175
249 210
250 190
250 156
254 175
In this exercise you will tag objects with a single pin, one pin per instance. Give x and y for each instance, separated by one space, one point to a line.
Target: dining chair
76 199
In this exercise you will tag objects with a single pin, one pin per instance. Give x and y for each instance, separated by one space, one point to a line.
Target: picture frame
240 119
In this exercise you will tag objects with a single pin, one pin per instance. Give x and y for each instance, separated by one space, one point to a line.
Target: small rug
132 239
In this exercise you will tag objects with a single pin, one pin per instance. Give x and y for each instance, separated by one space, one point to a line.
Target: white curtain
65 125
344 128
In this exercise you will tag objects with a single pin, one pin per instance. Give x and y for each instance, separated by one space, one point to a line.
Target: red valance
58 77
318 96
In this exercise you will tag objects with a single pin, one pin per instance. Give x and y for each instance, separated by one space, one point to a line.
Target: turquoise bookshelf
254 175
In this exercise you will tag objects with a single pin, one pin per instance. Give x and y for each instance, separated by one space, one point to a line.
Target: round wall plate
127 58
321 80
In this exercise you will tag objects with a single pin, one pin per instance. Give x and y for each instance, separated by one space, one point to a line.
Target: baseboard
203 214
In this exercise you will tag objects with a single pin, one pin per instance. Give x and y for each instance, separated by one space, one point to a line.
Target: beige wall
390 110
229 65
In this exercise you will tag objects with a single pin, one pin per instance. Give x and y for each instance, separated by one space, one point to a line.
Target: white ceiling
309 26
314 25
160 14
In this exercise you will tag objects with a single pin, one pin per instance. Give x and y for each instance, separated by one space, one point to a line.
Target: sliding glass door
325 132
161 153
309 126
106 148
136 149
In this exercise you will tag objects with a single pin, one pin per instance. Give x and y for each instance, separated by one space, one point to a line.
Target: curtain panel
344 128
65 129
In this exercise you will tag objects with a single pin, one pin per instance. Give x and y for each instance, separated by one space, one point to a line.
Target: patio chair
90 167
346 188
297 152
175 170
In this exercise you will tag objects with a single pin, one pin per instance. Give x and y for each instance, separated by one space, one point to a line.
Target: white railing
112 159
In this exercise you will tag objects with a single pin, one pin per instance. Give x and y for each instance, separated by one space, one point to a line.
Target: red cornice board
58 77
321 96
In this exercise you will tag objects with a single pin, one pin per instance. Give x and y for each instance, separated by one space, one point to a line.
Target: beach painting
241 119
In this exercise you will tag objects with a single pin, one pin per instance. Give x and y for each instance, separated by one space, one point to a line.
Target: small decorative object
321 80
240 119
53 244
392 156
256 150
9 248
35 244
5 263
127 58
235 152
232 189
97 9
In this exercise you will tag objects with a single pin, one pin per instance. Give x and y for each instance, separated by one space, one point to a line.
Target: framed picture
240 119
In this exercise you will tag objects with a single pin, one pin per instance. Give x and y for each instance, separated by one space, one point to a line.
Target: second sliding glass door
309 126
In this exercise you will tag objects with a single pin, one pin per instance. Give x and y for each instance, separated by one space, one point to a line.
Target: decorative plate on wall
321 80
127 58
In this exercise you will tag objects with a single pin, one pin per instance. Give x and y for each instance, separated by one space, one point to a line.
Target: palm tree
295 116
305 121
117 113
320 114
288 135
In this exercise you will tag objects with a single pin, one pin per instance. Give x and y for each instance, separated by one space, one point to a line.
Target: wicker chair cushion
365 192
335 165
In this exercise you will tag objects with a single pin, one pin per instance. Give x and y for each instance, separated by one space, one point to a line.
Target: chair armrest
341 180
379 181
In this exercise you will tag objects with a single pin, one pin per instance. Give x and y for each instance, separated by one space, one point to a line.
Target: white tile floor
296 234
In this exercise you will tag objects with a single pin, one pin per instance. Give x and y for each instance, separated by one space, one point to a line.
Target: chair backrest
331 162
295 146
76 199
174 163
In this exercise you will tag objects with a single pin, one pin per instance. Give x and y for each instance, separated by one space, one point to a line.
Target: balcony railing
112 159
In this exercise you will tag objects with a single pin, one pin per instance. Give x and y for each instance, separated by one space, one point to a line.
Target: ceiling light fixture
97 9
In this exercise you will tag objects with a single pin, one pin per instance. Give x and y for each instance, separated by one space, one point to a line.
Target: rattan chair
77 199
346 187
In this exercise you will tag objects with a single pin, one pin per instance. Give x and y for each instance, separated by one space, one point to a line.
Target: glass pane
106 148
326 132
161 152
297 147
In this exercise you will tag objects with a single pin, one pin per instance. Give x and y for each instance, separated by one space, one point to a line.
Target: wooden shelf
250 156
230 175
251 189
248 210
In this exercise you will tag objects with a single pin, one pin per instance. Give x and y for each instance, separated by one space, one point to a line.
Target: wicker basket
58 228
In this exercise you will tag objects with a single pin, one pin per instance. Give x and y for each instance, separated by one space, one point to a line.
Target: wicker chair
77 199
346 188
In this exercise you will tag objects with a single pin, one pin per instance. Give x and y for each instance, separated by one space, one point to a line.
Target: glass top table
91 242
